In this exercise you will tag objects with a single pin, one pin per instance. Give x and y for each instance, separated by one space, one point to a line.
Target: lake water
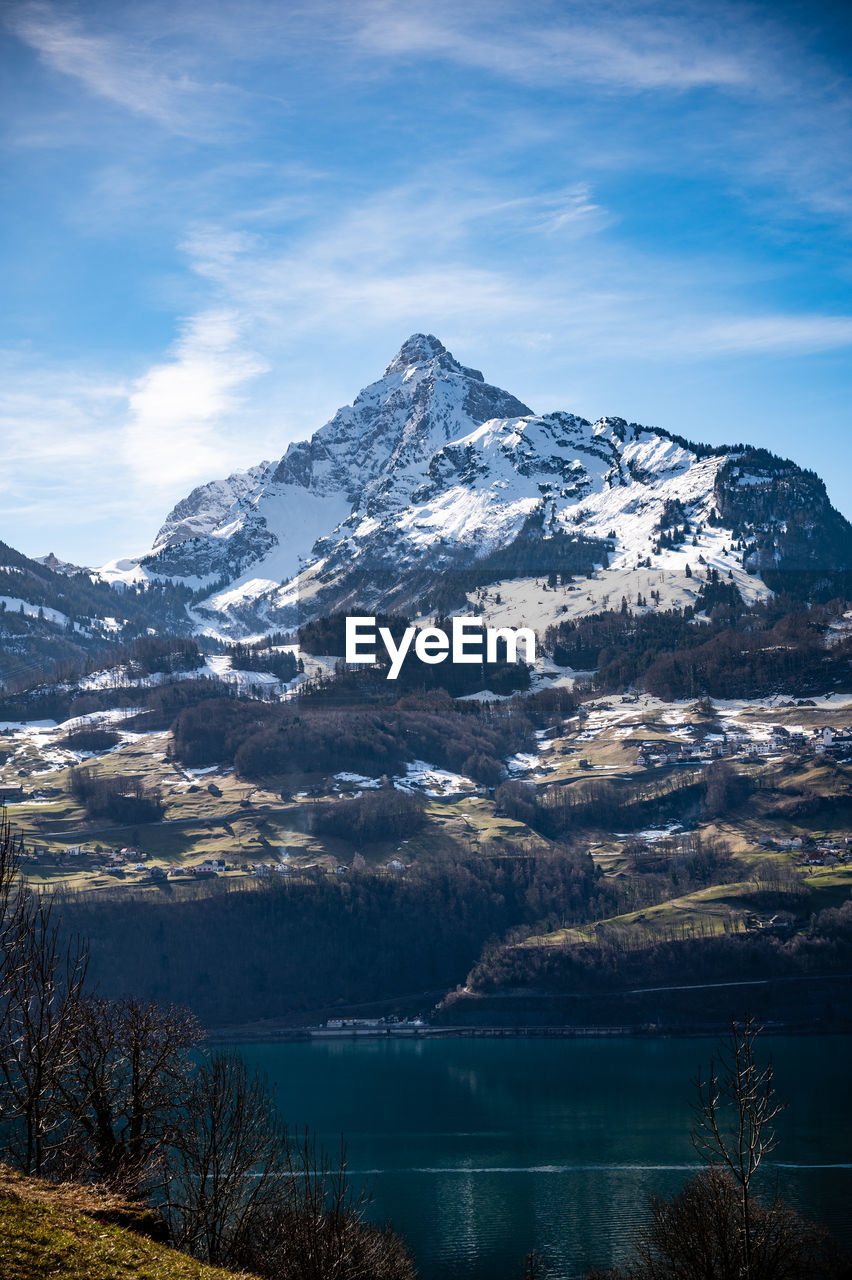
480 1150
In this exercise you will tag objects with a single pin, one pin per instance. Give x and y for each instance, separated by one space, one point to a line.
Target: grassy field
245 824
64 1233
720 908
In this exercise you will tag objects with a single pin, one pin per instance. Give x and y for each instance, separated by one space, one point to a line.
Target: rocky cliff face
205 508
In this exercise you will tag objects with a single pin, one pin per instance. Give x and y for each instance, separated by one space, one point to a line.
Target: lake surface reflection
480 1150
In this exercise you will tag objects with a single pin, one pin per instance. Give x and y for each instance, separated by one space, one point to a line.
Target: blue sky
225 219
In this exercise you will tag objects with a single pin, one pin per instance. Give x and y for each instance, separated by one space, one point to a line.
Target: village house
830 741
212 864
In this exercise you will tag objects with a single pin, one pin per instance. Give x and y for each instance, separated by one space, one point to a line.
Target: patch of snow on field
422 776
526 762
523 762
21 726
357 780
219 666
651 835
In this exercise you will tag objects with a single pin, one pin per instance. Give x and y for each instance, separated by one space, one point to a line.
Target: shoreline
306 1035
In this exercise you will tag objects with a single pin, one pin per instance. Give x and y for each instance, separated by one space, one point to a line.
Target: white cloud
398 258
177 409
92 463
58 427
50 416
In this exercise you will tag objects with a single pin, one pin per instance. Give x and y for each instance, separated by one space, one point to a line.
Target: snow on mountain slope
432 475
504 602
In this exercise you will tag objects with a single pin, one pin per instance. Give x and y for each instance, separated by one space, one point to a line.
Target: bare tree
40 985
43 979
715 1228
227 1161
240 1193
125 1085
735 1111
12 903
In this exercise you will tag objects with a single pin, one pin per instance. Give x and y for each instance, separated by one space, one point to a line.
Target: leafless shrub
697 1235
318 1229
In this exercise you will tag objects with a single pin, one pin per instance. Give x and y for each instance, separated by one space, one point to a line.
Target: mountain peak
418 349
431 468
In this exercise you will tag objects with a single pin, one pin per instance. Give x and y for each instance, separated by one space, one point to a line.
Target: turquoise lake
480 1150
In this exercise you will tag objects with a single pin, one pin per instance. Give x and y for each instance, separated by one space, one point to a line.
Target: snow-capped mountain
436 489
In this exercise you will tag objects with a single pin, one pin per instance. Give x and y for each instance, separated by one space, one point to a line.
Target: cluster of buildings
110 861
814 853
827 741
209 867
389 1026
662 753
263 870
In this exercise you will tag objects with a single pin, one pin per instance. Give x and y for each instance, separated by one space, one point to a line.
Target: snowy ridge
207 506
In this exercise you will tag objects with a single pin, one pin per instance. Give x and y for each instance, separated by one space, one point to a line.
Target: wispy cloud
406 258
58 431
170 64
753 334
136 76
602 45
33 400
400 256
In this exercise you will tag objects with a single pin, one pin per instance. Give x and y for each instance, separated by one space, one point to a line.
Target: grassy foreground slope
71 1233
